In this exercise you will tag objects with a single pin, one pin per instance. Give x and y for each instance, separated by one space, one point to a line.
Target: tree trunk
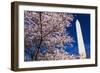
36 54
38 47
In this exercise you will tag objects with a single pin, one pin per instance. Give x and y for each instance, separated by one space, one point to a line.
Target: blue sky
84 20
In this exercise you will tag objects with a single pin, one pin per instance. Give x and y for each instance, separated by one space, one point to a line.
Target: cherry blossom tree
47 30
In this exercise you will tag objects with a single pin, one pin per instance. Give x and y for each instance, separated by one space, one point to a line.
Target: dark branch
53 30
38 48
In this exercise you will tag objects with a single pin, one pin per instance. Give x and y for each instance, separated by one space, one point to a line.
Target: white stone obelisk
81 46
